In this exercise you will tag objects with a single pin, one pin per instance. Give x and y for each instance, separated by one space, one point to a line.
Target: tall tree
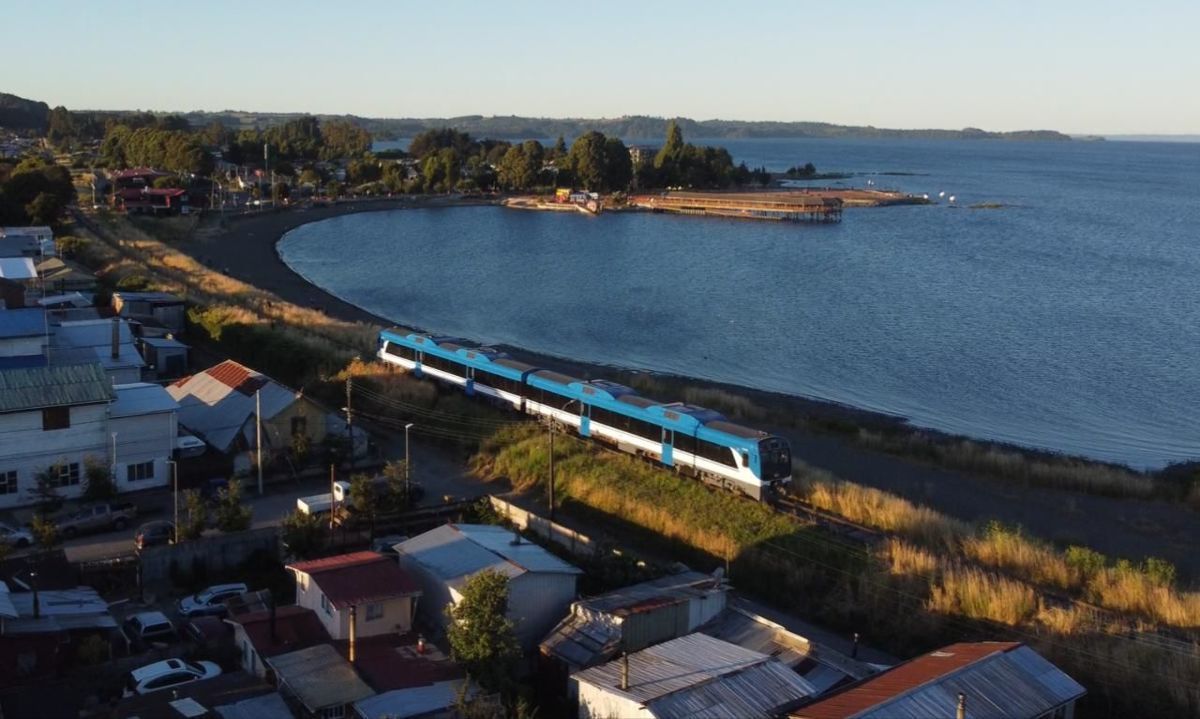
232 514
364 501
480 634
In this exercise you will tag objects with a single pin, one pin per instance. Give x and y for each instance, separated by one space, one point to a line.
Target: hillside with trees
20 115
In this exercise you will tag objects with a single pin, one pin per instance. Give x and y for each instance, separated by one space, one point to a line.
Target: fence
577 544
212 553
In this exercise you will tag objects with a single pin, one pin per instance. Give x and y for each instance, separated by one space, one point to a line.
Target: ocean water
1068 319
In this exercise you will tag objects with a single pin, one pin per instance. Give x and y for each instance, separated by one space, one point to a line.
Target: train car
693 440
478 370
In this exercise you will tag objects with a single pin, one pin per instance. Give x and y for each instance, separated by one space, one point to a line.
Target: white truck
322 503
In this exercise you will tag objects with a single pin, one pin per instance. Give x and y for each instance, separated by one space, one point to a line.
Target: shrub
133 283
99 485
1087 562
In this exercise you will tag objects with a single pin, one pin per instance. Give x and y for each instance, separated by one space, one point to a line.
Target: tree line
33 192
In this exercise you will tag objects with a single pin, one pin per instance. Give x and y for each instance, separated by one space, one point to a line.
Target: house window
374 611
299 426
68 474
56 418
8 482
325 605
140 471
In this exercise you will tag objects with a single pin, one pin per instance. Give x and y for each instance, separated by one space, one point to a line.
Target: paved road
440 473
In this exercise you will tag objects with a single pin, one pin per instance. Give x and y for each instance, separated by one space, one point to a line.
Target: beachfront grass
907 597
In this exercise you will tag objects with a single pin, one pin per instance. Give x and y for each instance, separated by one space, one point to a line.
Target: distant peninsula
629 127
17 113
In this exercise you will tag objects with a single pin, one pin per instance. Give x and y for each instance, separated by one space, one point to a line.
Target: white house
65 416
364 587
540 585
695 675
143 427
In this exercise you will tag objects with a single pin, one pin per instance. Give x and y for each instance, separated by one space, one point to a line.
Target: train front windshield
776 459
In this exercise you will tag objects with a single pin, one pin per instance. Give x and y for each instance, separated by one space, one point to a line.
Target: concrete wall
28 449
577 544
216 551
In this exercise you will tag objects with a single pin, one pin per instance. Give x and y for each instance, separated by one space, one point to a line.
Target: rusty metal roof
699 676
358 578
1001 680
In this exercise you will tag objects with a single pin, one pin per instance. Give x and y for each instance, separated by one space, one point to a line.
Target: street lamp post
407 466
175 490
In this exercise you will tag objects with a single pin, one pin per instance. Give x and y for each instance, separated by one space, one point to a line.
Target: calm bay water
1067 320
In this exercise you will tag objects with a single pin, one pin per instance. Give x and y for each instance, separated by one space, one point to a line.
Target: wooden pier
784 206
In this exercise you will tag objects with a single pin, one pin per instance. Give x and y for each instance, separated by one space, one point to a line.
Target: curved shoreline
246 249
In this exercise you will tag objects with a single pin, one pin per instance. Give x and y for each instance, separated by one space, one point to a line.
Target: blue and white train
692 440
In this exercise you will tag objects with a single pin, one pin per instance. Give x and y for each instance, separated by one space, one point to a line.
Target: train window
685 443
715 452
401 351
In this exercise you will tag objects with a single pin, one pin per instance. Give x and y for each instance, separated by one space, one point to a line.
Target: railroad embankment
926 581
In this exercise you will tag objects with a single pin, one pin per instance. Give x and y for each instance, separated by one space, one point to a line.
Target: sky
1080 67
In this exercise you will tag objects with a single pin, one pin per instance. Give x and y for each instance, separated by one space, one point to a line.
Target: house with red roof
219 405
363 589
971 680
263 634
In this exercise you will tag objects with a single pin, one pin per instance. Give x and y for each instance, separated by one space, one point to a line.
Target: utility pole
175 490
258 435
332 499
349 421
407 467
551 469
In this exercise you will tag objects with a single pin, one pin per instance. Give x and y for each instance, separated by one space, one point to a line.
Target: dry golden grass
1018 554
973 593
878 509
136 251
1128 590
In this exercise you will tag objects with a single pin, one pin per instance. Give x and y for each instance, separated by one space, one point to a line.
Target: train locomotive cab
775 456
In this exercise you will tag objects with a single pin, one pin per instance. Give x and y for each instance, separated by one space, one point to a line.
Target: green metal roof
39 387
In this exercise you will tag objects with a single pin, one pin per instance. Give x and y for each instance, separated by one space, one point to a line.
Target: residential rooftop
358 578
1001 680
295 628
61 386
455 552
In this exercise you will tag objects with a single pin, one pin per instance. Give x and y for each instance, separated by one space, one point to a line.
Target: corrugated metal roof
61 602
40 387
319 677
590 633
96 335
454 552
267 706
148 297
17 268
822 666
358 578
163 343
217 402
22 322
141 398
411 702
527 555
63 623
699 676
1001 680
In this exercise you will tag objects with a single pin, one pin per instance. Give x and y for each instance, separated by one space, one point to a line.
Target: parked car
210 600
97 518
145 627
168 674
153 533
14 537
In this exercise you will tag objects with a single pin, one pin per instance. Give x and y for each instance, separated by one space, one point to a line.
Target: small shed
163 307
167 357
632 618
318 679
